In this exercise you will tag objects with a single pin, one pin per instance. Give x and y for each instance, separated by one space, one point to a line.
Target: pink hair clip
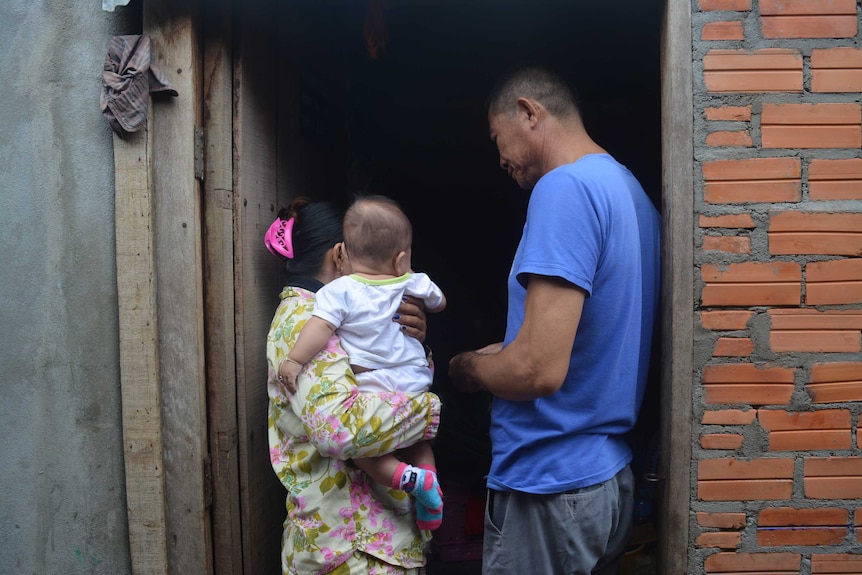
279 238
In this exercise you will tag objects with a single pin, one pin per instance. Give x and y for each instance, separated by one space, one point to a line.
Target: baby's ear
401 263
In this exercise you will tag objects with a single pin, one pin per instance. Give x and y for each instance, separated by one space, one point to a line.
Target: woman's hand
411 317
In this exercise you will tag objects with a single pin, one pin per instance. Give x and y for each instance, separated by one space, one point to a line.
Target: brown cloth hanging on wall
128 78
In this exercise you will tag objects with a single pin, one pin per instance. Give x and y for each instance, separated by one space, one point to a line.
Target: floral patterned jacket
333 509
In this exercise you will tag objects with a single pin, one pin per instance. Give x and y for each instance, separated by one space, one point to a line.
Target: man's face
512 135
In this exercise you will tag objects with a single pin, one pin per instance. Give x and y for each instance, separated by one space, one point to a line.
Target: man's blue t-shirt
591 224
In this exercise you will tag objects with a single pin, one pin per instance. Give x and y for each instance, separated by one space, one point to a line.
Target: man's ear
531 109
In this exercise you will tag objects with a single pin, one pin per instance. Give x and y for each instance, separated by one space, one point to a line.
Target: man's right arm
536 362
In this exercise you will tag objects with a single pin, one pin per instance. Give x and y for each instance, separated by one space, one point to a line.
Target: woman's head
314 230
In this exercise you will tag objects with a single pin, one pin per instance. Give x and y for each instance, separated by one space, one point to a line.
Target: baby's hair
376 228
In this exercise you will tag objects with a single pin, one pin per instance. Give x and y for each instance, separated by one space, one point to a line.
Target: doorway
323 109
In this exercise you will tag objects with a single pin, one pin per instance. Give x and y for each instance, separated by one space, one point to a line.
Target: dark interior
411 123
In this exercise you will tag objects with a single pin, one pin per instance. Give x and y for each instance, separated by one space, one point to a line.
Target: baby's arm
434 294
440 307
313 337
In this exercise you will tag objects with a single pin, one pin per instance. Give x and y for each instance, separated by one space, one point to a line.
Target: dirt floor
438 567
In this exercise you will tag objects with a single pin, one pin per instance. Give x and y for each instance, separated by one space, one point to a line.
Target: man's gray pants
581 532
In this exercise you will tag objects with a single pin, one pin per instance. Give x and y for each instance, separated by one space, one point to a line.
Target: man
569 378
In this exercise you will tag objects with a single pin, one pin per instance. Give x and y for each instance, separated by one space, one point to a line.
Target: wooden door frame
677 286
168 277
161 314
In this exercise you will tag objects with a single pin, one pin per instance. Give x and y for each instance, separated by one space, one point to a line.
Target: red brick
753 563
746 373
752 283
834 282
836 372
747 384
835 392
721 440
815 233
733 468
820 526
827 125
835 179
745 490
814 319
729 244
748 393
836 564
751 294
836 70
752 180
796 221
729 139
833 487
719 539
783 420
730 5
729 113
833 477
833 466
815 331
722 31
766 70
730 221
752 272
725 320
721 520
809 26
733 347
814 440
814 341
728 416
792 517
807 536
808 18
806 7
834 270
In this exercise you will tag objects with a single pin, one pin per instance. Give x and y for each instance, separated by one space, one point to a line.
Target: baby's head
376 230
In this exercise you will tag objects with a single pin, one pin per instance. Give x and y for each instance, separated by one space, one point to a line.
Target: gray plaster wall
62 495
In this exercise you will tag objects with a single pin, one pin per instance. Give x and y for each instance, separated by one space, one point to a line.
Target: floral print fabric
333 509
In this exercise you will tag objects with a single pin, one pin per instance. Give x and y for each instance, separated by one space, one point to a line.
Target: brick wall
777 470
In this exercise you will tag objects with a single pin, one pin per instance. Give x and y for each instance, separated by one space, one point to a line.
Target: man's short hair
540 84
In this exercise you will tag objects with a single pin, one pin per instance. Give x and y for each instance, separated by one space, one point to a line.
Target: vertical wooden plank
174 30
257 279
677 286
139 354
219 282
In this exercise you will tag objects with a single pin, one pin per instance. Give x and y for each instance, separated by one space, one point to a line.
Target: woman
339 521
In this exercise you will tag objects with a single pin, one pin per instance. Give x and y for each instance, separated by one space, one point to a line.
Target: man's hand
461 368
411 317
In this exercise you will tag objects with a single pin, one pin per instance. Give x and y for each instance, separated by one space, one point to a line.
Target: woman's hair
316 228
376 228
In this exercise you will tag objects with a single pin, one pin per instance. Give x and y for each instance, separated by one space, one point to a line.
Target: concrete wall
62 496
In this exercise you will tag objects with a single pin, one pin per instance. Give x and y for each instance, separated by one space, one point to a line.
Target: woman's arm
341 422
